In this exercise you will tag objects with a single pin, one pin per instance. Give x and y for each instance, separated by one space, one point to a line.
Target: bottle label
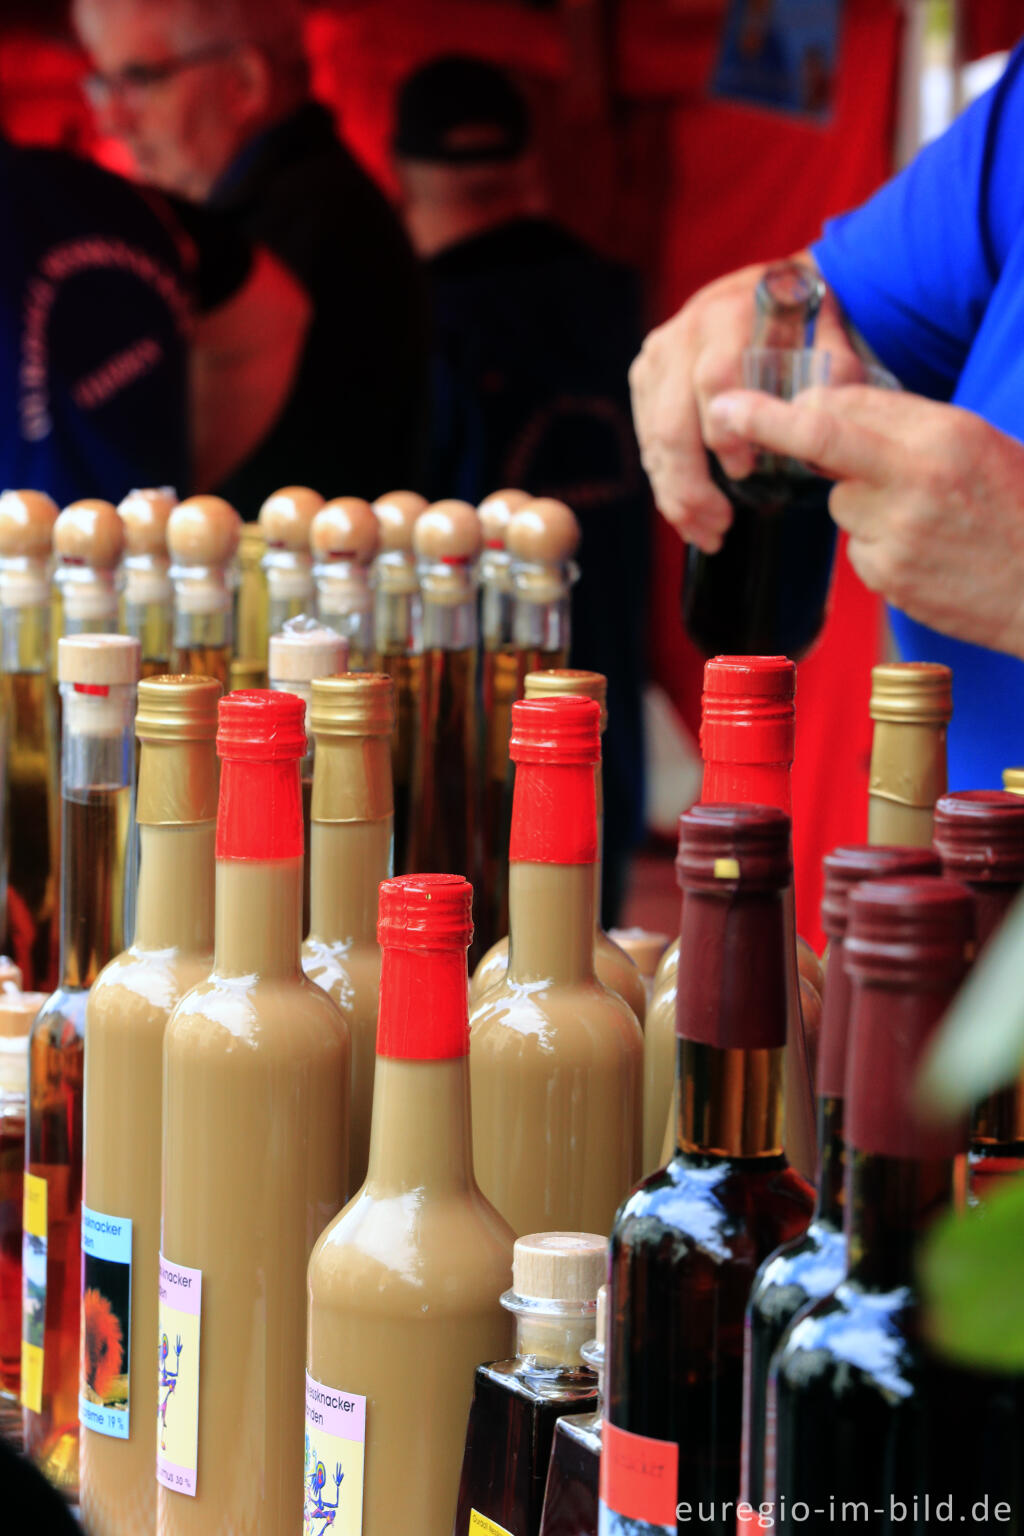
639 1484
479 1525
33 1292
335 1451
103 1386
177 1415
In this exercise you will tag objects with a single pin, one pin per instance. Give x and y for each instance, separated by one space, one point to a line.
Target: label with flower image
103 1387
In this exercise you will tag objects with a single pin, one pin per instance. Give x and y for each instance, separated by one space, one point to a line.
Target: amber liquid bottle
88 540
687 1243
571 1491
98 674
17 1012
202 537
32 735
351 838
398 638
126 1016
255 1129
286 518
147 597
979 836
404 1284
814 1265
556 1058
249 664
517 1402
911 705
343 539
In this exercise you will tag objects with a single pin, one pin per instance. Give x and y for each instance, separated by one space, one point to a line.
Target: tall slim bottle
126 1015
556 1058
404 1284
88 540
98 676
614 967
254 1156
979 836
147 597
351 839
29 709
17 1013
343 539
911 705
444 821
542 539
813 1265
249 663
687 1242
286 518
398 636
202 537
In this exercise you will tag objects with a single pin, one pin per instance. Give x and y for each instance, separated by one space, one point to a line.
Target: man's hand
931 496
681 367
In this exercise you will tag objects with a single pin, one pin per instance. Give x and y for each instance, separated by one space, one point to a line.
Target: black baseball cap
458 110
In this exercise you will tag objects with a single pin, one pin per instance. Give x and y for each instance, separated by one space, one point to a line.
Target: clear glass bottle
911 705
88 540
249 664
202 537
542 538
343 540
286 518
571 1491
98 676
17 1012
147 597
517 1402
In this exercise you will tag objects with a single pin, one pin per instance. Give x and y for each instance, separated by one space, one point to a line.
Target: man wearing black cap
533 337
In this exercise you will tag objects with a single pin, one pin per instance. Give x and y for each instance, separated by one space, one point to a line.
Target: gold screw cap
204 530
345 529
545 531
448 531
560 1266
90 533
27 520
354 704
912 692
177 707
557 681
396 515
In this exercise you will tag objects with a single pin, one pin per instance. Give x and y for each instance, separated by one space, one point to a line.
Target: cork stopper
494 513
100 661
396 515
144 515
354 704
300 655
177 707
556 681
567 1267
1013 781
90 533
10 975
544 532
27 520
449 532
644 948
345 529
203 531
17 1013
912 693
287 515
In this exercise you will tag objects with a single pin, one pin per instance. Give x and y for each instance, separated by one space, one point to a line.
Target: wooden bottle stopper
544 532
287 515
90 533
345 529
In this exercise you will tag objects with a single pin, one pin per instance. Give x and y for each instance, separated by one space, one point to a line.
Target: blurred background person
211 99
532 335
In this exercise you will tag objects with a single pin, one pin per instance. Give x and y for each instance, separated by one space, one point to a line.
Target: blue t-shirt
931 272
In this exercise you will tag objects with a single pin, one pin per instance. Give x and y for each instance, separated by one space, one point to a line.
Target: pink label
177 1452
339 1413
334 1460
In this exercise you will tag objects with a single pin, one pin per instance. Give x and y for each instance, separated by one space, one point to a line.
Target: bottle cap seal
345 529
286 517
261 727
98 661
912 693
145 514
544 532
27 520
179 707
845 868
204 530
90 533
300 655
560 1266
355 704
725 848
553 682
425 912
494 513
561 731
916 932
747 710
396 515
979 835
18 1011
448 532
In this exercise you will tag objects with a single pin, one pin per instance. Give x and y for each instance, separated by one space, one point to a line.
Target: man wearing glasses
211 97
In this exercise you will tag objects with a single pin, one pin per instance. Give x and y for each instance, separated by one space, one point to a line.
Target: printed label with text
335 1453
639 1484
33 1292
103 1389
178 1364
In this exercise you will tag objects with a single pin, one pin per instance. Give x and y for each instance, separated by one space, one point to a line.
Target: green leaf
972 1275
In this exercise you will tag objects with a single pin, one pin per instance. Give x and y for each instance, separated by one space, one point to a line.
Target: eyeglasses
137 79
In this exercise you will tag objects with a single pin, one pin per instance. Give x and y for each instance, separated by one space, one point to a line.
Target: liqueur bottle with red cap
202 537
255 1147
343 539
556 1058
398 636
147 596
286 518
816 1262
687 1243
404 1285
979 835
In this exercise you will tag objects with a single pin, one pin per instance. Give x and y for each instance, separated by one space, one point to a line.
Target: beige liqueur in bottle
88 540
911 705
98 674
404 1285
32 736
249 664
615 969
556 1058
202 537
542 539
126 1016
147 597
352 719
343 540
645 948
286 519
254 1157
398 637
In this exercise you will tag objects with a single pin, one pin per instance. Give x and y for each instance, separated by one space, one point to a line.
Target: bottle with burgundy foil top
255 1150
404 1284
286 518
147 597
126 1016
202 537
979 836
351 839
88 540
748 726
556 1058
687 1243
398 636
863 1414
911 705
814 1265
570 1494
614 967
343 539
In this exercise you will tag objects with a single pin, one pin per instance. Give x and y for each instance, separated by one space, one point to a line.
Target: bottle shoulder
573 1386
61 1019
349 974
543 1014
739 1208
285 1016
141 986
853 1339
802 1271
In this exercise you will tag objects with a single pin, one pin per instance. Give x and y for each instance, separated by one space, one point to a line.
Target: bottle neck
736 783
96 816
541 617
991 904
831 1177
202 607
176 883
450 622
348 861
420 1130
551 923
25 633
552 1340
908 775
88 600
729 1103
398 606
496 601
258 931
890 1203
832 1050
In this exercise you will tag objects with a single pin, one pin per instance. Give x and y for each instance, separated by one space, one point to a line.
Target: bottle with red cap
404 1285
255 1150
556 1058
747 733
813 1265
979 836
687 1243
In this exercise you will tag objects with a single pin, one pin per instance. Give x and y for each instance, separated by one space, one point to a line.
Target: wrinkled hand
931 495
682 366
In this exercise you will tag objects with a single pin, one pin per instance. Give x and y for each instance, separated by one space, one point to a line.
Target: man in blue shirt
929 277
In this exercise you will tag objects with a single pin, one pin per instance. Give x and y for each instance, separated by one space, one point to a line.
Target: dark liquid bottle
571 1491
687 1243
517 1403
814 1265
